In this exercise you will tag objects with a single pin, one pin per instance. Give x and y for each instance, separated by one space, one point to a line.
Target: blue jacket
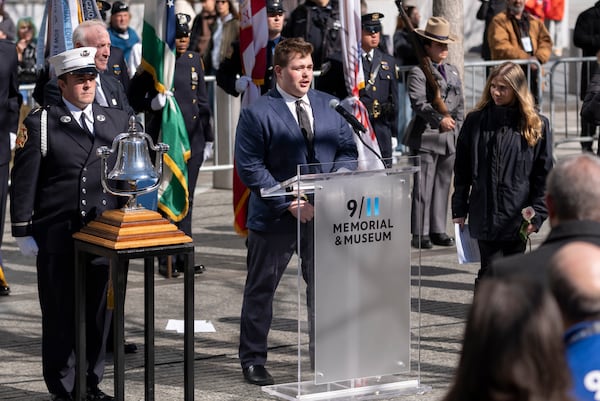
583 356
269 146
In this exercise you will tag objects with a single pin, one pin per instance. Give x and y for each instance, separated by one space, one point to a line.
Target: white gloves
13 140
208 151
160 100
27 246
241 84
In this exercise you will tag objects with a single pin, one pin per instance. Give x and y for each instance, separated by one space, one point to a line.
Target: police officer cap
75 61
371 22
183 27
275 6
118 6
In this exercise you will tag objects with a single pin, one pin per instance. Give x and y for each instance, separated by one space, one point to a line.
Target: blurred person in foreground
55 191
575 283
503 156
512 347
289 126
572 198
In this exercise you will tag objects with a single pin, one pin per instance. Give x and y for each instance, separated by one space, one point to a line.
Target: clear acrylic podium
362 285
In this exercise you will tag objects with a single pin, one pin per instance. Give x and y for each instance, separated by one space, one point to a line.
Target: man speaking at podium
290 125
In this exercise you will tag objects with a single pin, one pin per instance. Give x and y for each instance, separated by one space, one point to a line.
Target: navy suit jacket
9 98
269 146
535 264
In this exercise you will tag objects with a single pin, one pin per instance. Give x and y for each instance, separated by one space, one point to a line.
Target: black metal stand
118 259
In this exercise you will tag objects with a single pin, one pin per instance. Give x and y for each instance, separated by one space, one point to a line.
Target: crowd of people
499 153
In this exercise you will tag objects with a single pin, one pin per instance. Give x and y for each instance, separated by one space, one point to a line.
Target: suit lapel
72 129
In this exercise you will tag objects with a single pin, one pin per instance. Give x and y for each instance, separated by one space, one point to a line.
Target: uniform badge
190 55
116 69
21 137
194 78
65 119
385 65
114 102
101 117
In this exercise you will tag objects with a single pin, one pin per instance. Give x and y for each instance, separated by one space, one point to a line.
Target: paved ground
446 290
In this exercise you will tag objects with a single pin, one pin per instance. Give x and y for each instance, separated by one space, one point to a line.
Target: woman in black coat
503 156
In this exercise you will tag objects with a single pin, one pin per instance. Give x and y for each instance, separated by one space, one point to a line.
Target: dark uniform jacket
586 36
56 186
535 264
380 96
9 98
497 174
190 92
231 67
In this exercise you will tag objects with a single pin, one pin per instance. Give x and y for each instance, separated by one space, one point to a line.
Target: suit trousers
268 256
430 194
56 292
4 172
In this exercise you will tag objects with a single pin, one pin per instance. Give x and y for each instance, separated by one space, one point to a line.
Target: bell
133 160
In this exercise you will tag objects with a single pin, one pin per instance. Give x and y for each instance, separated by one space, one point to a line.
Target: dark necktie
304 123
442 70
84 125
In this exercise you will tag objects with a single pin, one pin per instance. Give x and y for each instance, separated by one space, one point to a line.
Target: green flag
158 58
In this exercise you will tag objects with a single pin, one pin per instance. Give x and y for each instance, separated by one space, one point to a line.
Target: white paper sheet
467 248
200 326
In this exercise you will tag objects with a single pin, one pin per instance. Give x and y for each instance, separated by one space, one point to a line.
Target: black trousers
3 196
268 257
56 293
491 250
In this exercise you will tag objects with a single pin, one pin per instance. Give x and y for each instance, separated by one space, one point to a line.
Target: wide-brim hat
76 61
438 30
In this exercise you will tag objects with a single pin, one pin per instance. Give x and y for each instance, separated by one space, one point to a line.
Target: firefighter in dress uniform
55 191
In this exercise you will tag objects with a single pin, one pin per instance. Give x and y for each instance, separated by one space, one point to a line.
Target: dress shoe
95 394
130 348
257 374
4 290
162 269
198 269
442 239
422 242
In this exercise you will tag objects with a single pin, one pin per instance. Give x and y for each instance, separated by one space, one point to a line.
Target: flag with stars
158 58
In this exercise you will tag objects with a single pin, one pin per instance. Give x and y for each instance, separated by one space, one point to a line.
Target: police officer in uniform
381 85
189 90
318 22
231 77
55 191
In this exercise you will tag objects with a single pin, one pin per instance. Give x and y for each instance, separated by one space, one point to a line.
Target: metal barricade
564 78
475 77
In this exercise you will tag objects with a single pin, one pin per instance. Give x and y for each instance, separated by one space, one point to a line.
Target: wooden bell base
131 228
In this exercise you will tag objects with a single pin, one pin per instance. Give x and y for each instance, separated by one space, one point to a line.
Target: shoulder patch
21 137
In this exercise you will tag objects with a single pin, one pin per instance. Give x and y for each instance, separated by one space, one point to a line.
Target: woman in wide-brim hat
438 30
432 136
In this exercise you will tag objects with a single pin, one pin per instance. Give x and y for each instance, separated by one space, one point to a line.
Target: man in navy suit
291 125
55 191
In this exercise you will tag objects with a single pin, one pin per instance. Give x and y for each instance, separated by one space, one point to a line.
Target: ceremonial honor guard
55 191
381 85
189 89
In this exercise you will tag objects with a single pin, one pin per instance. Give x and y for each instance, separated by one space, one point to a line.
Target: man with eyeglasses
230 75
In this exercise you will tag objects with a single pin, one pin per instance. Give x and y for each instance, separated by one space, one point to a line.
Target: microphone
356 125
